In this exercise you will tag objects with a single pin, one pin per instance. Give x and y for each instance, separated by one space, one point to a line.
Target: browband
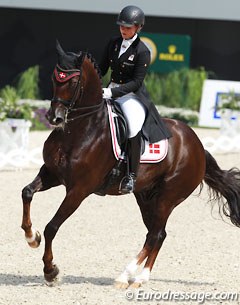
62 75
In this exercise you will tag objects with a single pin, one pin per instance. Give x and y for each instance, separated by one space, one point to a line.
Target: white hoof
142 278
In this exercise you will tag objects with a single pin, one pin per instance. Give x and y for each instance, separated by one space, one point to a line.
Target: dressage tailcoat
129 71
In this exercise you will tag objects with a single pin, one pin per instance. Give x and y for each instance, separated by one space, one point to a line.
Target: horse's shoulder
54 138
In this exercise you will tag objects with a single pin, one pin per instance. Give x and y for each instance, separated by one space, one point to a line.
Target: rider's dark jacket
129 71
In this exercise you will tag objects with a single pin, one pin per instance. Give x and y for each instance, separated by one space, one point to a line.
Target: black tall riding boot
134 153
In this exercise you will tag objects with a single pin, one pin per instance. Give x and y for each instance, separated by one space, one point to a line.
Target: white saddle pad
153 153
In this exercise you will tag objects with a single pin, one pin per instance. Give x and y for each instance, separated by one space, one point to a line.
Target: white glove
107 93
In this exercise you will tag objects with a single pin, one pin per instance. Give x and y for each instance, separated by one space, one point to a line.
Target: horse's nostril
58 120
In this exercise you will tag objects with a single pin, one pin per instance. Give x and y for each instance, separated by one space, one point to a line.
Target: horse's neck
92 87
94 124
90 129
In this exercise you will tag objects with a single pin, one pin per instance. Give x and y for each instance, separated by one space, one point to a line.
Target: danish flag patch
62 75
154 148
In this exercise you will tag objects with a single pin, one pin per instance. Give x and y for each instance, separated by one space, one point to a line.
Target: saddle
121 127
120 124
151 153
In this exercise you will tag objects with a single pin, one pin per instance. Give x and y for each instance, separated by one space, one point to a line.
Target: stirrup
127 184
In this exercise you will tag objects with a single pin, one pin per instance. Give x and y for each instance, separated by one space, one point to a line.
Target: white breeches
134 112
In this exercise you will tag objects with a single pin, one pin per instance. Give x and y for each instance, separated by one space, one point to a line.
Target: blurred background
194 74
28 30
190 43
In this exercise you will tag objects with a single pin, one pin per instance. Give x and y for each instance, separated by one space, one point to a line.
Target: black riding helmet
131 15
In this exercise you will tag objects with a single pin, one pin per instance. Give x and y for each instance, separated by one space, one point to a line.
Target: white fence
14 145
16 151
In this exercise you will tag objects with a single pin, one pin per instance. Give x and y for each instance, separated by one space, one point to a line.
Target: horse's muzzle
57 117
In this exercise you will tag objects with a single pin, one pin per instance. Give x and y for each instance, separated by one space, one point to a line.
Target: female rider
129 58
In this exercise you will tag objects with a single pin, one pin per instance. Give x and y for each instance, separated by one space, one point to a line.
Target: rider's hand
107 93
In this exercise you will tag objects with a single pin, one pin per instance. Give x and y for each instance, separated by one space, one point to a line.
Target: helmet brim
122 23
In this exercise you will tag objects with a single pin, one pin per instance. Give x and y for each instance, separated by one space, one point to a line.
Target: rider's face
128 32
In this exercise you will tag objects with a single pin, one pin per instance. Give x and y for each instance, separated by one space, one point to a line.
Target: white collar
128 42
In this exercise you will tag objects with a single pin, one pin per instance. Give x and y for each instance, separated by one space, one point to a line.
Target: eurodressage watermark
180 296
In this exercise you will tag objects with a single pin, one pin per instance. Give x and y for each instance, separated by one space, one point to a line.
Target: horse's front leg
43 181
70 203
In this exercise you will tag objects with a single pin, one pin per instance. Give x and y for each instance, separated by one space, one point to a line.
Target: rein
63 76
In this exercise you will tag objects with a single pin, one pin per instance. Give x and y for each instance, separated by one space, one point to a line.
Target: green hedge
178 89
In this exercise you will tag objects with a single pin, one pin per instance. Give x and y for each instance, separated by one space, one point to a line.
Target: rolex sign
168 52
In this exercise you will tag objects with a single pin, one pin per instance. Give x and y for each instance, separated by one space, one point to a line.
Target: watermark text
178 296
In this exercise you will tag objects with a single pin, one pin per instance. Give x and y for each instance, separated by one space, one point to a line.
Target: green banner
168 52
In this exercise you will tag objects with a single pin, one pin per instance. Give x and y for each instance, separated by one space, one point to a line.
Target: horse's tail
224 183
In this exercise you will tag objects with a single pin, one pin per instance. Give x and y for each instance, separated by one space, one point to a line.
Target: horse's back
184 145
183 136
185 159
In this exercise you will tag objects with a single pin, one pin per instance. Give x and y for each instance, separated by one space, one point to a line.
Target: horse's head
69 81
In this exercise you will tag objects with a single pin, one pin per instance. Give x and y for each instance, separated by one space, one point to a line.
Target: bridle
62 76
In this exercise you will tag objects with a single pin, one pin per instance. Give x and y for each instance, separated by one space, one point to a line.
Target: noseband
63 76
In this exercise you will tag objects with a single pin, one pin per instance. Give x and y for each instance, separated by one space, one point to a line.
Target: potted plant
13 102
12 107
14 121
15 117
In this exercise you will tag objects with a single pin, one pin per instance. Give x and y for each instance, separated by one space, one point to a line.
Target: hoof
52 279
121 285
36 242
135 284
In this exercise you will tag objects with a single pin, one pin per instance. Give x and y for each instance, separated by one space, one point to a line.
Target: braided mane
95 64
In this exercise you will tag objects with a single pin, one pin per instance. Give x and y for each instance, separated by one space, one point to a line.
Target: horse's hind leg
43 181
155 217
153 244
156 212
127 275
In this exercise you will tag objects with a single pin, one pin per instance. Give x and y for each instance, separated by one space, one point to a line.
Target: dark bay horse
78 154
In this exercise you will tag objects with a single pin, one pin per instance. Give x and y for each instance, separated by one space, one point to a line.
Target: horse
78 154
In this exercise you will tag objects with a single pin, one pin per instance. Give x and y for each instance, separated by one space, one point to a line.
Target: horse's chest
57 159
60 159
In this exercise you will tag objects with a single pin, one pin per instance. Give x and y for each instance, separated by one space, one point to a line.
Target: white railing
14 145
17 153
229 134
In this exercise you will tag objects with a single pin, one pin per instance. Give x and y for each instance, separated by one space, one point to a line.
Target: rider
128 57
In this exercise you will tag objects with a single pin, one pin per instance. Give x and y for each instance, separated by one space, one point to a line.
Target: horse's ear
80 59
60 50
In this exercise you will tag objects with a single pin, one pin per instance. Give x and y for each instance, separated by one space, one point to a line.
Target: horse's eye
72 84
